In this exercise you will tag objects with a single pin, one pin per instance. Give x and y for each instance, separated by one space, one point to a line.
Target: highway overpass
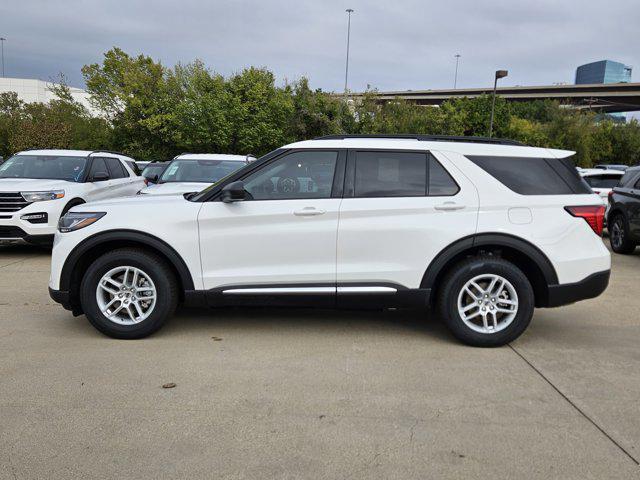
609 98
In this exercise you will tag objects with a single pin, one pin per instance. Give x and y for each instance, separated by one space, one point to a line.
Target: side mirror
154 178
100 177
233 192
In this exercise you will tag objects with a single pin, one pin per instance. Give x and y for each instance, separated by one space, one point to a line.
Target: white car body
14 208
343 248
173 187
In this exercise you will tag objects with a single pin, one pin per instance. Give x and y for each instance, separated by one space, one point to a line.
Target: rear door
400 209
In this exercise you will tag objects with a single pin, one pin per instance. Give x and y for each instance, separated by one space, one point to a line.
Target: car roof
590 172
212 156
73 153
458 146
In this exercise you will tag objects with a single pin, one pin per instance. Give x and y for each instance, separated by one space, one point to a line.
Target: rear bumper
590 287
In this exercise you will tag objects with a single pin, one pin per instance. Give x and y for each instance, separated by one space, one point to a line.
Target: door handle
449 206
308 212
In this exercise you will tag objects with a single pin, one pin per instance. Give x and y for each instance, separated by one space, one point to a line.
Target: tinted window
440 182
203 171
297 175
602 181
98 166
628 178
44 167
116 170
533 176
637 185
390 174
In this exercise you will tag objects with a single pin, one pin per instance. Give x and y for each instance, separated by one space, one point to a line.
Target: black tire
619 237
467 270
159 272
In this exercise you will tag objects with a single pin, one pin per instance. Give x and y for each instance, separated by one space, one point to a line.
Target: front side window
298 175
98 166
201 171
47 167
390 174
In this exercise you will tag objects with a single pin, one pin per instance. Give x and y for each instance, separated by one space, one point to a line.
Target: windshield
204 171
47 167
602 181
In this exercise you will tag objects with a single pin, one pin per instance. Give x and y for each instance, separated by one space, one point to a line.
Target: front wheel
128 293
486 301
619 236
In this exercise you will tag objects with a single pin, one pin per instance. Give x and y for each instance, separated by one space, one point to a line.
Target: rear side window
116 169
440 182
390 174
533 176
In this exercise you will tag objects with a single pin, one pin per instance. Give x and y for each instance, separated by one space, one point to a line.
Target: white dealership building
31 90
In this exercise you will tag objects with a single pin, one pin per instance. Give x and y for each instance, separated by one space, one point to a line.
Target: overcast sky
395 44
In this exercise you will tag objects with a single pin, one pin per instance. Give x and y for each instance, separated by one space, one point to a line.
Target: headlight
42 196
75 221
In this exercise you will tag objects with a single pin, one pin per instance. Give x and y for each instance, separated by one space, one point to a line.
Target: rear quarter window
533 176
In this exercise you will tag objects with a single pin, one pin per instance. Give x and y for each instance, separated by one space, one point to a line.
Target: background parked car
623 213
611 166
192 172
601 181
152 172
37 187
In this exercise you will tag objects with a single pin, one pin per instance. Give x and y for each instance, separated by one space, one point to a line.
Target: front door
282 238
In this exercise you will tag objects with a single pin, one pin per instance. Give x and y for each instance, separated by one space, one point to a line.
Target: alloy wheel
488 303
126 295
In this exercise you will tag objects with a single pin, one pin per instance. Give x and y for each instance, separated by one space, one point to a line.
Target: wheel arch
526 256
93 247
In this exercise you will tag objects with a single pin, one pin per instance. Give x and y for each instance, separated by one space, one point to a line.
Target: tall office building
604 71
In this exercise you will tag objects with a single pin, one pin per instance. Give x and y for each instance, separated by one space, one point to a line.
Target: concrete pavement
316 394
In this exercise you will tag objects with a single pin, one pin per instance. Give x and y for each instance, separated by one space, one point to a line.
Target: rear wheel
619 235
128 293
486 301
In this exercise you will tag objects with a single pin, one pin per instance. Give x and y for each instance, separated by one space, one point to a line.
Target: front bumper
590 287
15 229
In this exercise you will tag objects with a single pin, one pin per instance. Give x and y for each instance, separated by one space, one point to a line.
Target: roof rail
428 138
109 151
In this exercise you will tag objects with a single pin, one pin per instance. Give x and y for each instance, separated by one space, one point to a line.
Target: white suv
482 230
37 187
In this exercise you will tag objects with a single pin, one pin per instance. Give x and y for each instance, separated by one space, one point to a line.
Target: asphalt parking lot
316 394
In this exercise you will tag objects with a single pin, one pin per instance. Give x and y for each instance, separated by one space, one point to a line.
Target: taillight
592 214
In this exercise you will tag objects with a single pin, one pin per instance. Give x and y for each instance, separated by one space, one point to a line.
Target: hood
133 202
173 188
31 185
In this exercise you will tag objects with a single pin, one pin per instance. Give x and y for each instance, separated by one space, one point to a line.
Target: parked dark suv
624 213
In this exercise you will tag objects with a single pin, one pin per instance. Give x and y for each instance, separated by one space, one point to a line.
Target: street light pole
2 40
455 78
499 74
346 69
